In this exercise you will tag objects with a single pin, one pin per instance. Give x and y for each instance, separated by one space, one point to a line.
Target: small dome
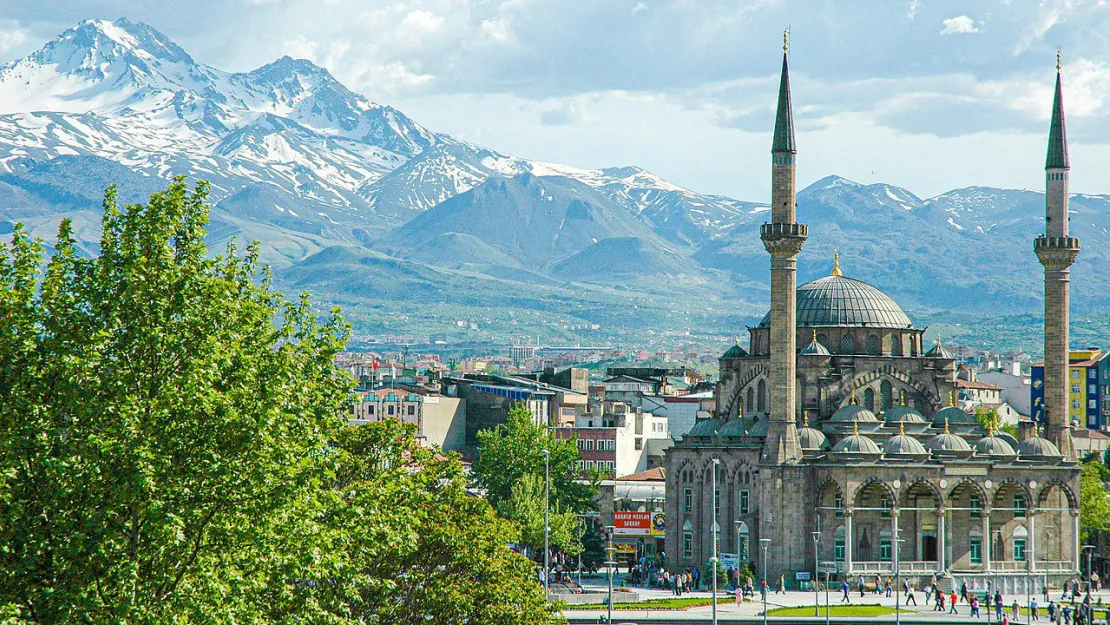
903 413
1036 447
994 447
953 415
853 412
733 427
759 428
947 443
938 351
811 439
814 348
857 444
706 428
902 445
734 352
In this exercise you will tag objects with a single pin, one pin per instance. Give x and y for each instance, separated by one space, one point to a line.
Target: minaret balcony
1056 253
784 239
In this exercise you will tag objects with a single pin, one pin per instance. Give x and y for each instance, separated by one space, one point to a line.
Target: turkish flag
375 365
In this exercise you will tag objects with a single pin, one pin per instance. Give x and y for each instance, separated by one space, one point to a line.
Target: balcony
1056 243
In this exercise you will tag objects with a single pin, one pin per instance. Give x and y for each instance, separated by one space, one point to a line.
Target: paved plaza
752 610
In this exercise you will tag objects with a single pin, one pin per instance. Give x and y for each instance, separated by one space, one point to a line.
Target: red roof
658 474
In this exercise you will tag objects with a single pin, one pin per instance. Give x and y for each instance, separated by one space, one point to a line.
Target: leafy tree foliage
174 448
1094 502
526 507
990 420
511 451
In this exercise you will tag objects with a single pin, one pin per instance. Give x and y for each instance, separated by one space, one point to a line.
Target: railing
905 566
792 230
1056 242
1055 567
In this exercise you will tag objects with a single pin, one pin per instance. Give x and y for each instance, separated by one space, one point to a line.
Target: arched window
887 393
872 345
823 339
913 346
895 345
762 397
749 406
847 345
869 399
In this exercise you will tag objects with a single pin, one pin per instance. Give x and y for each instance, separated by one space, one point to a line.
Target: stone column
987 539
942 538
1075 539
1031 549
849 539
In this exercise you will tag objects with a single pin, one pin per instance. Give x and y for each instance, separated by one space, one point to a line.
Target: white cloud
639 8
1036 30
913 9
959 25
11 36
418 25
497 30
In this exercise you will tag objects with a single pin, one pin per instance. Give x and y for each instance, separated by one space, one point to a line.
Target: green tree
410 545
1094 502
511 451
526 507
159 413
990 420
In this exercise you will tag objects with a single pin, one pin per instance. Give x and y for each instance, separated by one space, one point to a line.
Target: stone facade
891 471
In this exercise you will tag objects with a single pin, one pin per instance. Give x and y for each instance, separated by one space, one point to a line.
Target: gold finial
740 411
901 427
805 418
1058 63
785 39
836 264
853 401
946 425
951 399
1034 429
815 335
902 398
855 427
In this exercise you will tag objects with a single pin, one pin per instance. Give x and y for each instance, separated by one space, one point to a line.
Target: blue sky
926 95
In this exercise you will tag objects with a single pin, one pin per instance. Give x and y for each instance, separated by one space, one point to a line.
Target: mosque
836 445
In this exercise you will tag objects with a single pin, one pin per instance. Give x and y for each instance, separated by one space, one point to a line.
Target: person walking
782 585
963 593
998 606
974 606
1034 610
1016 609
763 590
1044 591
1051 611
861 585
938 605
909 595
889 588
952 603
844 588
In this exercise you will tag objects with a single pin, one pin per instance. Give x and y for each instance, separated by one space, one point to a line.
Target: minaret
1057 251
783 238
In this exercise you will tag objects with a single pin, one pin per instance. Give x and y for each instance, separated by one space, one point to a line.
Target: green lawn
651 604
836 610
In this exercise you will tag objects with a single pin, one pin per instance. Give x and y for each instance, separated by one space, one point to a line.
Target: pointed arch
1046 490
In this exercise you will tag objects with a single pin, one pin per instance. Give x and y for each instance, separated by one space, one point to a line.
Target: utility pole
546 519
713 560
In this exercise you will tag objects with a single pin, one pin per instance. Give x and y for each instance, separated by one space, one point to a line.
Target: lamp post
713 560
1090 551
609 565
546 520
816 556
764 543
897 579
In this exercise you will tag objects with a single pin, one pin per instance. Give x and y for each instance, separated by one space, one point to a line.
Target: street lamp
546 521
897 578
764 543
609 555
816 557
1090 551
713 560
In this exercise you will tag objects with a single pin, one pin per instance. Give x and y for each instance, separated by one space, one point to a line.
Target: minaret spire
783 141
1057 132
1057 251
783 238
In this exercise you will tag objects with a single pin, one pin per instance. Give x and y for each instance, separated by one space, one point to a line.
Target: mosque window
1019 549
895 345
762 396
847 344
884 550
749 406
884 503
887 393
869 399
975 550
873 345
976 507
687 500
687 545
1019 505
838 550
744 502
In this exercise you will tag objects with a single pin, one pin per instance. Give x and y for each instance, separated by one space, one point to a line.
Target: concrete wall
444 421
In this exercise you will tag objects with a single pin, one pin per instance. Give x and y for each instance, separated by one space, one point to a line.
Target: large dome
839 301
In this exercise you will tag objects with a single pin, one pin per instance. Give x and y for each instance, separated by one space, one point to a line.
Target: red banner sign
631 523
